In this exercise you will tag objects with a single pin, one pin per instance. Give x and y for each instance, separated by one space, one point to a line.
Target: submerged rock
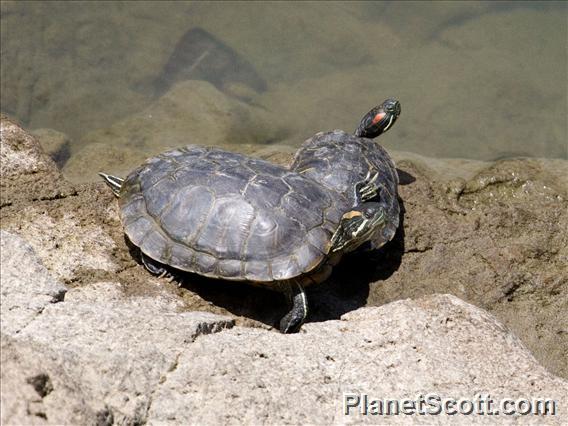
199 55
99 156
191 112
55 144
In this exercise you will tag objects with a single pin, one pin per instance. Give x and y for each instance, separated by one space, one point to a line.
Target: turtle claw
368 194
368 189
155 268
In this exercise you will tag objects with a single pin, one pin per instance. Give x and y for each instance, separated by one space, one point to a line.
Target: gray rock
437 344
95 353
38 386
66 242
27 286
117 348
27 172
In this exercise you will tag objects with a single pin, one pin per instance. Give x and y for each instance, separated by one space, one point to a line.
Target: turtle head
379 119
357 226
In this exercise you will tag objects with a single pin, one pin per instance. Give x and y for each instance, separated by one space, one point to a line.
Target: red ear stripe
379 117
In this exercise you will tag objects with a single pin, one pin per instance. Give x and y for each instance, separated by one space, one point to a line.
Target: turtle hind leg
293 320
152 266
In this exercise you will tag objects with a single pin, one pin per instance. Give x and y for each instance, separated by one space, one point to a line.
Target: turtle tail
114 182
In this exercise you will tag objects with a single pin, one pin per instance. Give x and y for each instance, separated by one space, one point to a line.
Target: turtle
225 215
340 161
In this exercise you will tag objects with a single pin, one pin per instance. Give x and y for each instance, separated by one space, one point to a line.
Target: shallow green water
481 80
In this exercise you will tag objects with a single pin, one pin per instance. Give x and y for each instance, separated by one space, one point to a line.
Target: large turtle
226 215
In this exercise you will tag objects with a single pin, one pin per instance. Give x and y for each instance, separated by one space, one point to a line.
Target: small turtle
225 215
340 161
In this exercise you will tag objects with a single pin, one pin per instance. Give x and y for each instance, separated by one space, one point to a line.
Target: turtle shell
339 161
226 215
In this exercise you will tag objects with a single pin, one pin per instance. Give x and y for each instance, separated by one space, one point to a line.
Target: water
480 80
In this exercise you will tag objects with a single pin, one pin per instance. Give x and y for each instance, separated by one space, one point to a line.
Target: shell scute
186 213
205 263
225 229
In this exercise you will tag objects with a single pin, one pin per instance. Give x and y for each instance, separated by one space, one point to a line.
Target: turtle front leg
293 320
368 188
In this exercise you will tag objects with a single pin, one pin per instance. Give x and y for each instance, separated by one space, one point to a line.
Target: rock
21 153
66 242
436 344
54 143
497 240
199 55
30 374
137 342
191 112
27 172
331 37
129 360
20 301
52 78
276 153
120 161
118 350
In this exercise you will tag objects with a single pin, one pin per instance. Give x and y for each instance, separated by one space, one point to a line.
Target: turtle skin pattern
340 161
225 215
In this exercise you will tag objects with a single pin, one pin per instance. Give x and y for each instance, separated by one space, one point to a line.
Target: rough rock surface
434 344
95 353
23 164
100 356
66 242
498 240
19 266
